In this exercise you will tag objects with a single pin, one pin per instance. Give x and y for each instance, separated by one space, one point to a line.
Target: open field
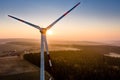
15 65
14 68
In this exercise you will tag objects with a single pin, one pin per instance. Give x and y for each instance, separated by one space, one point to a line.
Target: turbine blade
35 26
62 16
48 54
42 74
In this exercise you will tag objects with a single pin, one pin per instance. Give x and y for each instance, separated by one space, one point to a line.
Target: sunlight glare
49 32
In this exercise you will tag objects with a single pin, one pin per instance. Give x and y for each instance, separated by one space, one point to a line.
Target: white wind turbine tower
43 39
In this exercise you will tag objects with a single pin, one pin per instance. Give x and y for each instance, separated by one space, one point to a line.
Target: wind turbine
44 40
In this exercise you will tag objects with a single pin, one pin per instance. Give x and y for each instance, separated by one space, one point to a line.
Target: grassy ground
25 76
14 68
22 76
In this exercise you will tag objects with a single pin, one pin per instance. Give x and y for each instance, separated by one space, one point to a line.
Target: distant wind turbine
44 40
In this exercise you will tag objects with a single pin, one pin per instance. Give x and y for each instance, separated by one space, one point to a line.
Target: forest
79 65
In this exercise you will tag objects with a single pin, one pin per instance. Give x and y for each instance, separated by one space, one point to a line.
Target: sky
92 20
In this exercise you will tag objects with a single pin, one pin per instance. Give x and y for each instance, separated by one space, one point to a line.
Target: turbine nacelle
43 30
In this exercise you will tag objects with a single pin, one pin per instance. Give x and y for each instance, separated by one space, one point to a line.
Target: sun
49 32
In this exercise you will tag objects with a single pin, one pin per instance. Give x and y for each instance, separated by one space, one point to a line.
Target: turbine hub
43 30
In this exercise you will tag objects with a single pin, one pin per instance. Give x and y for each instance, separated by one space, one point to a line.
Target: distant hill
115 43
16 46
51 42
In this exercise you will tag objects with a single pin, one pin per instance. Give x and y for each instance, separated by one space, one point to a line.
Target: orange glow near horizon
63 31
